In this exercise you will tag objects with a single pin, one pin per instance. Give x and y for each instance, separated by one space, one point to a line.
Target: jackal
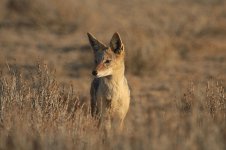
110 94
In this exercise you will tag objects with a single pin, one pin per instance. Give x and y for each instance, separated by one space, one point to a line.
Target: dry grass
175 65
38 113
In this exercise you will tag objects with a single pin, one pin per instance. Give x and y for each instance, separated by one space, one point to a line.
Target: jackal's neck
117 76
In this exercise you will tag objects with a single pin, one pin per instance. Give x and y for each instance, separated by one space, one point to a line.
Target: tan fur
110 94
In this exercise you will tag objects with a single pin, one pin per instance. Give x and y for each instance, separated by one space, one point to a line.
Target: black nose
94 73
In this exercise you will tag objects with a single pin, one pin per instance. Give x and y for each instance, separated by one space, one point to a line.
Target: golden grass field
175 65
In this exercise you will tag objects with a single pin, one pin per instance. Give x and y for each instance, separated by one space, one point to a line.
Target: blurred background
175 65
168 42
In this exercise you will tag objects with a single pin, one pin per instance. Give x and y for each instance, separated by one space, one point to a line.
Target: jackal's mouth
102 73
95 74
98 76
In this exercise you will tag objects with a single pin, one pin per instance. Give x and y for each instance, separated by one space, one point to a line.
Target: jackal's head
107 59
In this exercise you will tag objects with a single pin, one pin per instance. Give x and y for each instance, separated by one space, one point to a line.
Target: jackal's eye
107 61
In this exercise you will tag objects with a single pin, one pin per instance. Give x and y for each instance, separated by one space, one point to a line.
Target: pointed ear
95 44
116 44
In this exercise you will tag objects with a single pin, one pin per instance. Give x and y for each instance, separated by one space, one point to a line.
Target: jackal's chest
113 96
109 92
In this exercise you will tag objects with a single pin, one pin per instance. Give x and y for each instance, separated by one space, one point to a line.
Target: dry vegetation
176 67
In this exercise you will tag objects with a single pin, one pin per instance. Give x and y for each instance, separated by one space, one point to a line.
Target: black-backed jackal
110 94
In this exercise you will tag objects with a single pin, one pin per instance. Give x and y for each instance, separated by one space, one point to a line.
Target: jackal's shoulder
94 86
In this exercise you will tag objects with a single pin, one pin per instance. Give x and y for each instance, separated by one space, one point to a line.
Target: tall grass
38 113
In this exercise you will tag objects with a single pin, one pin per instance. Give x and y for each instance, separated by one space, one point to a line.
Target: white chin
104 73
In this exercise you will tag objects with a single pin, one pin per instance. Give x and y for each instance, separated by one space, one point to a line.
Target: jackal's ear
116 43
95 44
